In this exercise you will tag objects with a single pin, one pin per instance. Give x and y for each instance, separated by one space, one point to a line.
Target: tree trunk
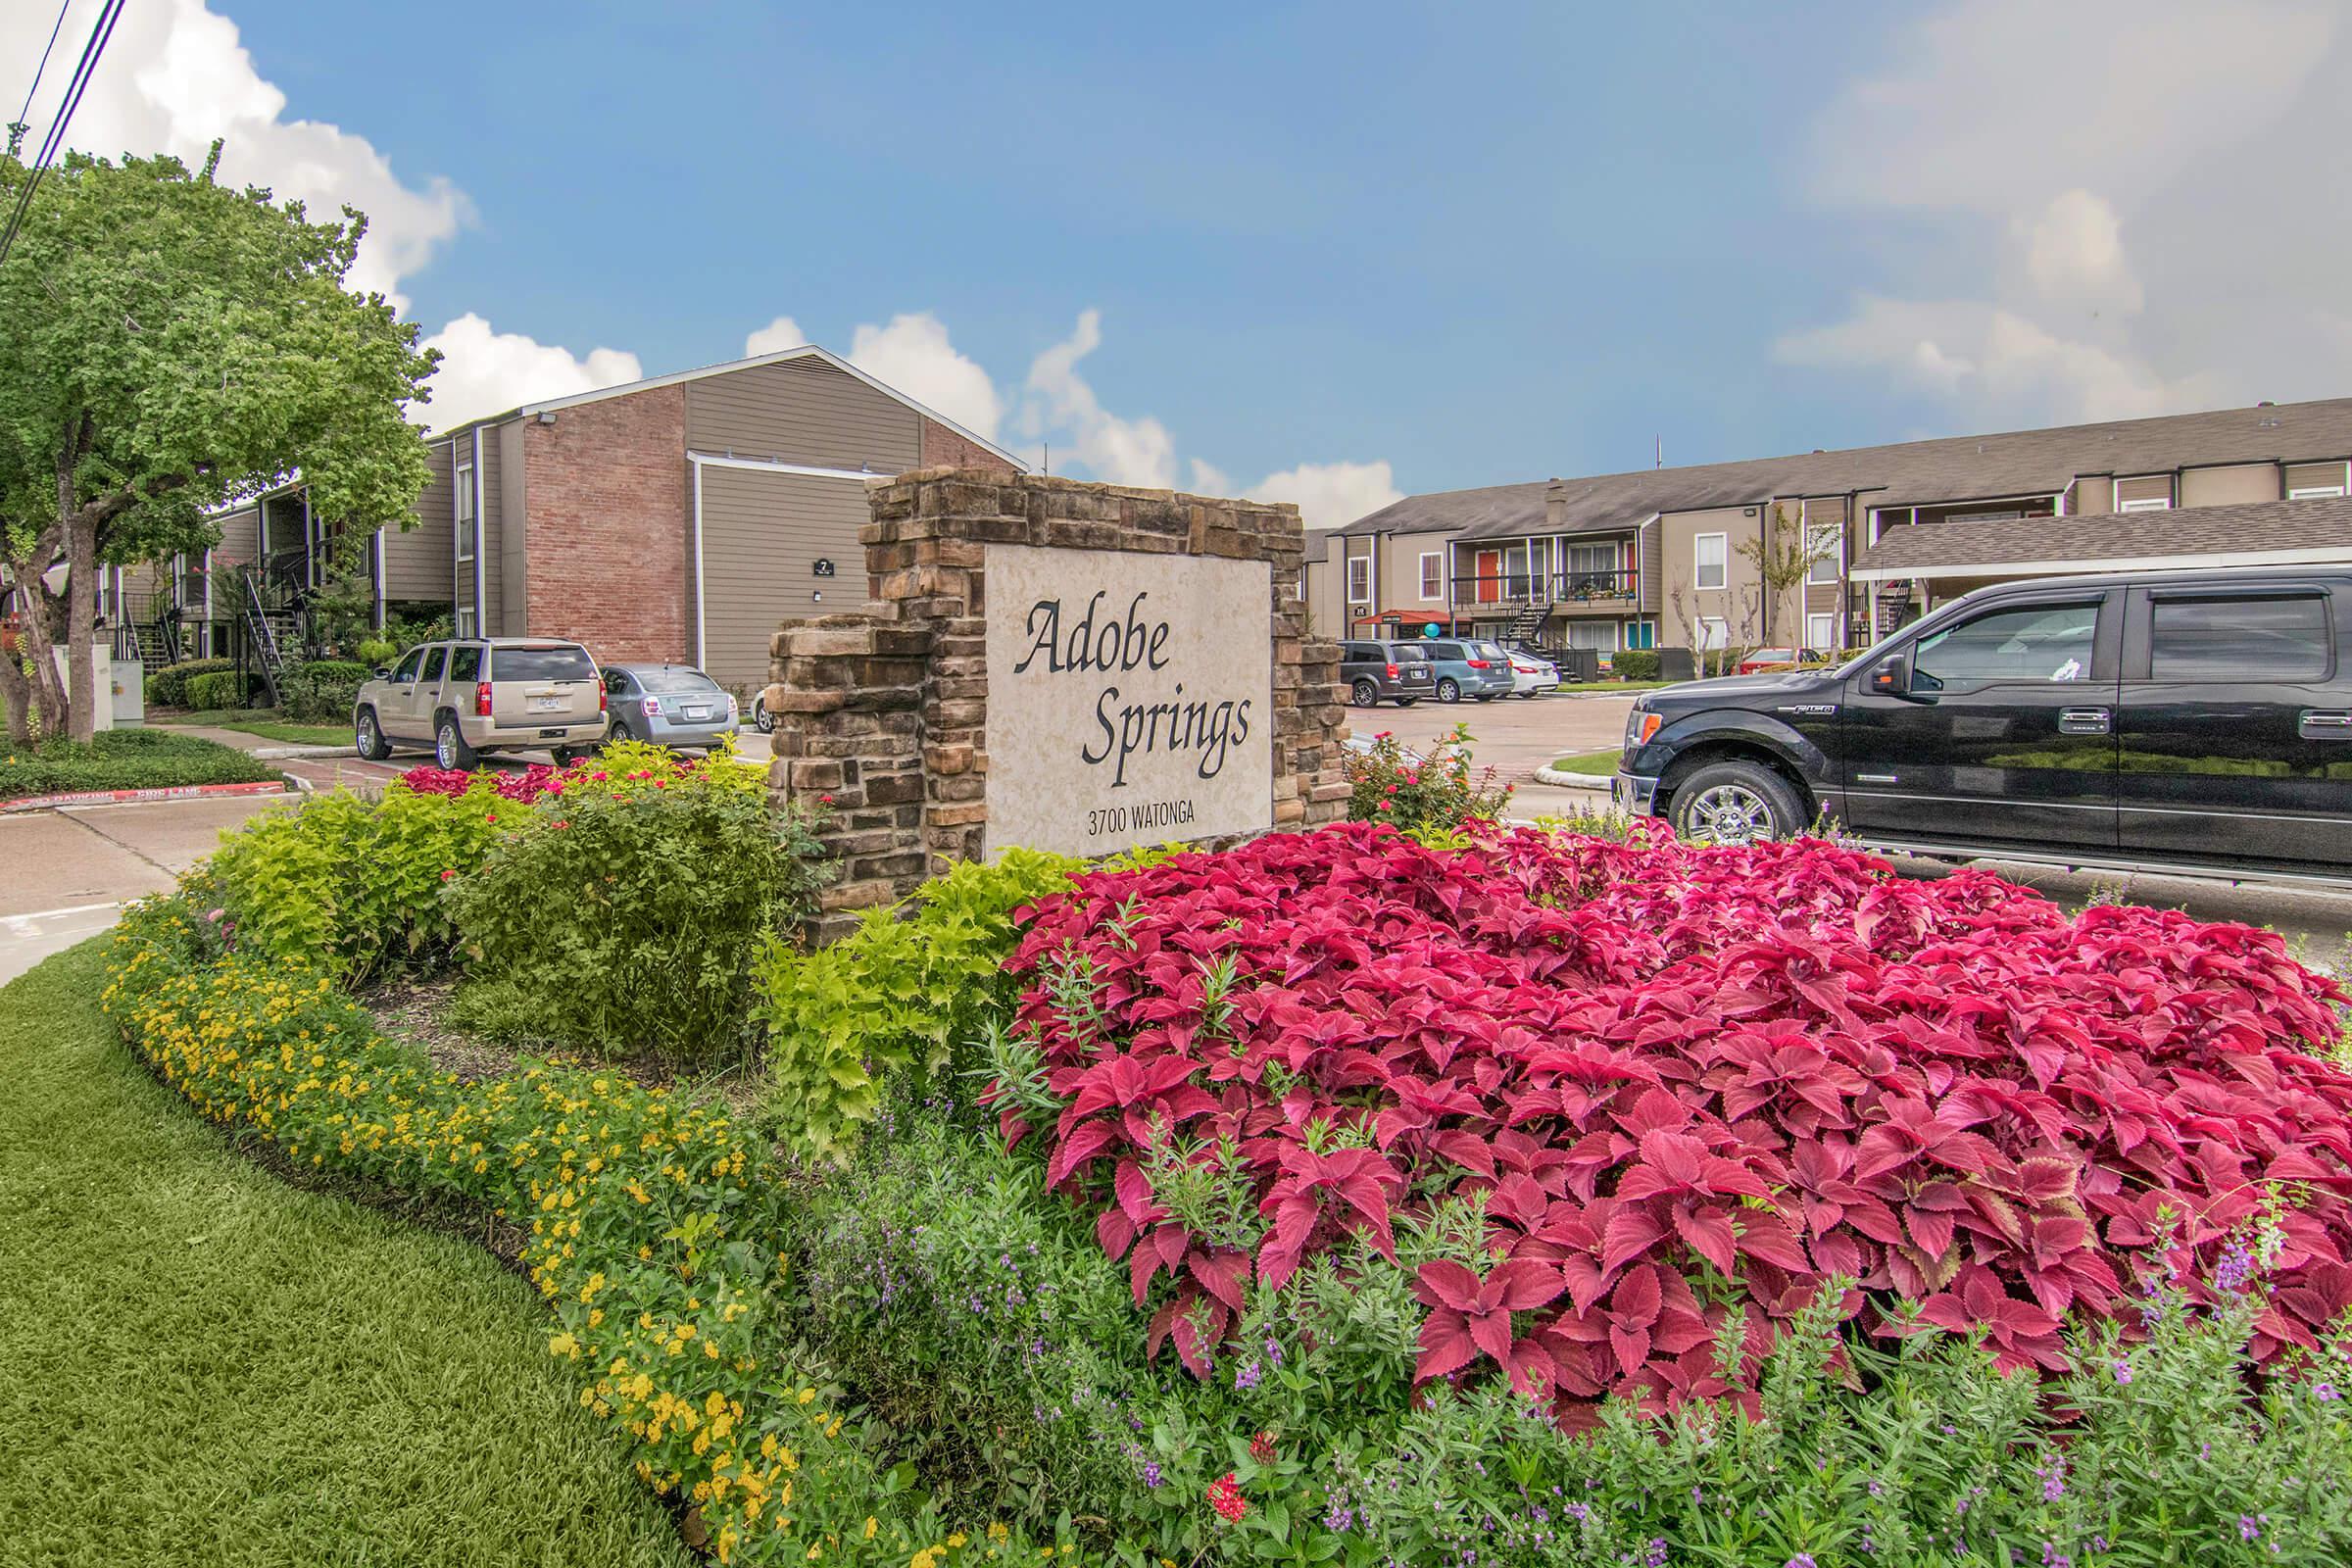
17 692
39 637
81 625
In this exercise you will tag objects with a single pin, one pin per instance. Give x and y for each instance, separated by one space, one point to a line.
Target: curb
280 785
291 753
1598 784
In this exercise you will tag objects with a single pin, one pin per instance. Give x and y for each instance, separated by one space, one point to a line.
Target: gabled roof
1495 509
807 351
2273 530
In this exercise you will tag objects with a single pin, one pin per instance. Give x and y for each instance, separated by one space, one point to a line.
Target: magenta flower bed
1687 1080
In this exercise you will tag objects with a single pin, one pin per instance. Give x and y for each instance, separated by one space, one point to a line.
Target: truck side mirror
1892 677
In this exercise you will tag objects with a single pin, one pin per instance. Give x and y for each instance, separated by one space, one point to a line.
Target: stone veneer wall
884 715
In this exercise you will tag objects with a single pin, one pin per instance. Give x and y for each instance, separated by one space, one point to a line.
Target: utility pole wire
51 144
23 121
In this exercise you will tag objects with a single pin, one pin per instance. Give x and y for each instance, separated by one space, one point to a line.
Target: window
466 620
409 667
470 526
1821 631
1825 544
560 662
1714 631
2147 493
465 663
435 659
2308 481
678 681
1710 560
1433 575
2033 642
1598 635
2238 639
1592 570
1359 579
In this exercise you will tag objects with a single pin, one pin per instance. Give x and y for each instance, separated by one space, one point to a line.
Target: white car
1530 675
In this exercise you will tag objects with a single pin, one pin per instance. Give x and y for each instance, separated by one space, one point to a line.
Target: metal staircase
273 629
1527 626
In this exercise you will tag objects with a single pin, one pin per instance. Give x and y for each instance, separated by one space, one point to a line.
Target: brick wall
944 448
885 719
608 497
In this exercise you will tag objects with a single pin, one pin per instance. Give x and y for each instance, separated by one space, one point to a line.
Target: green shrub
1634 664
125 759
630 920
1418 794
220 689
898 995
322 691
352 886
168 687
377 653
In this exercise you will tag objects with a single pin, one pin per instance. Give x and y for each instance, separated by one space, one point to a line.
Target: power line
100 33
24 114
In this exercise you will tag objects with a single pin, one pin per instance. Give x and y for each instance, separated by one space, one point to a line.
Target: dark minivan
1376 672
2184 721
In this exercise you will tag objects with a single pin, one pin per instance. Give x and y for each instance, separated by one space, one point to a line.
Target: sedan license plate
547 705
697 712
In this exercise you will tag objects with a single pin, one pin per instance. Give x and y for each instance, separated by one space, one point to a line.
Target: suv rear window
540 664
2238 639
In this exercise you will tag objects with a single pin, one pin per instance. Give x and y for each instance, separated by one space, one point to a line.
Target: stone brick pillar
887 712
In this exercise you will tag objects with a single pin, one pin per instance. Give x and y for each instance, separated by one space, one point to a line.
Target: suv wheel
448 744
1365 693
369 740
1736 802
1450 690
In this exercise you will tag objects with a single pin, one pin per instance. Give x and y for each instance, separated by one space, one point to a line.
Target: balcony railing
1518 589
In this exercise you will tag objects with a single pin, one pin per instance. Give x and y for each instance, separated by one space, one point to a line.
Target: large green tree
169 344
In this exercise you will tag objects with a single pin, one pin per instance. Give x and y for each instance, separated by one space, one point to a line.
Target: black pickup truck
2195 721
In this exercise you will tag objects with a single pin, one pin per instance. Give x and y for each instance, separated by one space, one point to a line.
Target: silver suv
483 694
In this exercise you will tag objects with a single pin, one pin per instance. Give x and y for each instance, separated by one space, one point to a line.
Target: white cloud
1331 494
1210 480
487 371
913 355
2093 207
777 336
1062 404
175 76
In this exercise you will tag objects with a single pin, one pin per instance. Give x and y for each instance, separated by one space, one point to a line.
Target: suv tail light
481 698
1475 664
599 696
1392 673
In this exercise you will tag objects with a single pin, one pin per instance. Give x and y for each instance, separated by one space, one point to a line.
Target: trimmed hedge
220 689
1634 664
125 759
322 691
168 687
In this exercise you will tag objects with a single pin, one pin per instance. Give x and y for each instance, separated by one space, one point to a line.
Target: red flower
1225 1496
489 816
446 875
1261 1447
825 800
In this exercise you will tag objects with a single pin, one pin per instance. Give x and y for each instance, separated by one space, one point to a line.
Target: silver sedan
670 704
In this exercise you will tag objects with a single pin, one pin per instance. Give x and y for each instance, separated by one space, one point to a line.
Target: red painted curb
175 792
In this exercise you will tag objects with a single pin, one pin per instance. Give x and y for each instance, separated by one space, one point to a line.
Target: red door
1490 576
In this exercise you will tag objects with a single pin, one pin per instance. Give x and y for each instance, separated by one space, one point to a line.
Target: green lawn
208 1367
262 721
1597 764
124 760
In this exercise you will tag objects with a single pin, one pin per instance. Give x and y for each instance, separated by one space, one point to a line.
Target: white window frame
1826 619
1359 579
468 514
1433 565
2163 502
1698 563
2147 504
464 621
1833 560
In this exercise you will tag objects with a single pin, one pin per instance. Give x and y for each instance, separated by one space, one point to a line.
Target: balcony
1565 591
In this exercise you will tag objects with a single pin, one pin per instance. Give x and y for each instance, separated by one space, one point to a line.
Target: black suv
2153 720
1376 672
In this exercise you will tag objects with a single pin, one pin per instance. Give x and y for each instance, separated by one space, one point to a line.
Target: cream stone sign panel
1129 698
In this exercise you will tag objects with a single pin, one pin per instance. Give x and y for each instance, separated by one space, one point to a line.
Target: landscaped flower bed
1678 1082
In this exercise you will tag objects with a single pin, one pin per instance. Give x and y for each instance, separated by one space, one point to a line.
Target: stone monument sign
1129 699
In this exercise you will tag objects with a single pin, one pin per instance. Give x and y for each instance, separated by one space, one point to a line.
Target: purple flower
1803 1559
1657 1553
2322 1390
1152 1473
2053 1481
2249 1526
1247 1377
2236 1266
2122 1371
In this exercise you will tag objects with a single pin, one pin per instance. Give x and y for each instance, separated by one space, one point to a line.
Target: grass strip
124 760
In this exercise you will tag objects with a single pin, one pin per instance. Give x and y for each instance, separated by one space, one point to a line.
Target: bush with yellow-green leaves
654 1228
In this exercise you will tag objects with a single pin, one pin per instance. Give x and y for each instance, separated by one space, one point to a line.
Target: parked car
670 705
1479 670
1761 659
1376 672
475 696
2183 721
1532 674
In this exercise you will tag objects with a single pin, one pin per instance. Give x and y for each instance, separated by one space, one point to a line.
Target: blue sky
1476 244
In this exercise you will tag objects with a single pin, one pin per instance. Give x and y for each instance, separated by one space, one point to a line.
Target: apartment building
673 518
1857 540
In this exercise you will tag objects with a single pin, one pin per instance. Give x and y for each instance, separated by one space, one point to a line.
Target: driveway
1513 735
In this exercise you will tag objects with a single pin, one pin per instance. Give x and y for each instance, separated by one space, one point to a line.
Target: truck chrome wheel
1730 813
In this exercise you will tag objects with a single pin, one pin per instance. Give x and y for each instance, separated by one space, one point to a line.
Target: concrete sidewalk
261 746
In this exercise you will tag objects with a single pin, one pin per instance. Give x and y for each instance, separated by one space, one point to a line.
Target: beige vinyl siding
803 411
240 538
2233 486
511 564
762 534
2316 476
1325 613
494 537
418 561
2091 493
1650 550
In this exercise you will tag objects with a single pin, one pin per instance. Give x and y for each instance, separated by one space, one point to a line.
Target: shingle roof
1941 549
1495 509
2017 463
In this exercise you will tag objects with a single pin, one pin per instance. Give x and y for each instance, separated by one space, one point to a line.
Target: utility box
104 710
129 677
